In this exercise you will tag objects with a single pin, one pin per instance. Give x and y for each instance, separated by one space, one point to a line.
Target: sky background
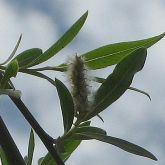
133 117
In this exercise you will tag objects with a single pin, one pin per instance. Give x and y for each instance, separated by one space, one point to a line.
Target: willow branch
45 138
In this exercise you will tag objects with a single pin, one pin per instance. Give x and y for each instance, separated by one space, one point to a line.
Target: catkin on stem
79 86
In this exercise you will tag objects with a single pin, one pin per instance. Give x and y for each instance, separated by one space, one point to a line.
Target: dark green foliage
67 105
63 41
129 58
114 53
118 82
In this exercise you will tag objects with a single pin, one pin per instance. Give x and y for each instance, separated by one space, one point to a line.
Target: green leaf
118 82
89 129
67 105
63 41
112 54
28 56
3 157
69 145
124 145
30 148
79 132
11 71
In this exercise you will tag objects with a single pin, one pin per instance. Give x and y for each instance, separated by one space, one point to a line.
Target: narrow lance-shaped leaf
63 41
28 56
112 54
124 145
30 148
67 105
11 71
118 82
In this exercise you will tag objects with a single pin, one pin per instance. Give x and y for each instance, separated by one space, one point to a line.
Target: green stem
45 138
46 68
38 74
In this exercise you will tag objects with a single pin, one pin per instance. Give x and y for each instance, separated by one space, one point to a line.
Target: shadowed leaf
118 82
124 145
67 105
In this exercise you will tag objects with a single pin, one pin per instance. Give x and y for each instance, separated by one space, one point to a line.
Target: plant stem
8 145
45 138
38 74
46 68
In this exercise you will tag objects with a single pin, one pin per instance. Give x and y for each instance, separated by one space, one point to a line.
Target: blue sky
133 116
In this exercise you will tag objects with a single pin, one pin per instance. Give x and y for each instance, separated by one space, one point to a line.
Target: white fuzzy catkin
79 86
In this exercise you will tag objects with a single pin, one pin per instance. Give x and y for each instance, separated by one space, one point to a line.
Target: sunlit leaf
67 105
63 41
118 82
112 54
28 56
